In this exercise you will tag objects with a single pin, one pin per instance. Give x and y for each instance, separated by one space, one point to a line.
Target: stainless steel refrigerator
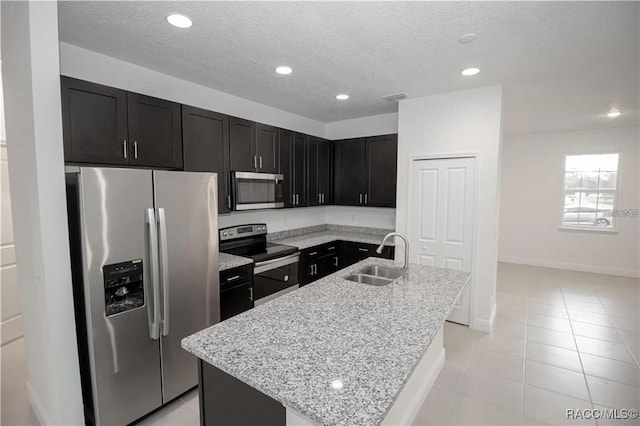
144 250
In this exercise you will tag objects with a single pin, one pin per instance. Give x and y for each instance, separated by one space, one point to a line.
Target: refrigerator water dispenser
123 286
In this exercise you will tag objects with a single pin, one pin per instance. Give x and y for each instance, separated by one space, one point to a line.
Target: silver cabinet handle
135 150
331 248
311 270
164 267
229 201
313 254
366 196
323 198
335 261
319 198
233 278
315 268
125 153
297 199
154 320
255 161
261 161
363 249
251 293
360 198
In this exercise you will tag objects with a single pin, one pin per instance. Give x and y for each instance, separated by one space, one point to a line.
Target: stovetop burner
251 241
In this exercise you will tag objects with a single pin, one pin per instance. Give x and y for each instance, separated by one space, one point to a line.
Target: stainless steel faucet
406 246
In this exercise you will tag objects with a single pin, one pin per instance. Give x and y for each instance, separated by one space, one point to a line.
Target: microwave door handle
164 268
154 323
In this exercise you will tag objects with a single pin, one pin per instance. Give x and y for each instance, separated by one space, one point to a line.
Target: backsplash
332 228
278 220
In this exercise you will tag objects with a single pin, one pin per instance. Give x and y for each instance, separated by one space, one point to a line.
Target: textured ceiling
562 64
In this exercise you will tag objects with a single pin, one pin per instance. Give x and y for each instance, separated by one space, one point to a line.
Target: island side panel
225 400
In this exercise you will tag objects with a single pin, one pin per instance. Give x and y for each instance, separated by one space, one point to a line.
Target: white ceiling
562 64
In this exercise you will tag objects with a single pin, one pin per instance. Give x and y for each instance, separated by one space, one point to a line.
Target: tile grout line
575 341
618 330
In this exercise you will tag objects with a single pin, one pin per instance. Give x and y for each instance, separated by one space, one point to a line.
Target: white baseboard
485 325
37 407
11 329
631 273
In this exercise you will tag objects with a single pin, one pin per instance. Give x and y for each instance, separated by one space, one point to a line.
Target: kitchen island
335 352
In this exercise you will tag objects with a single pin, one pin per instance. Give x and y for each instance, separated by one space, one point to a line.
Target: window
590 183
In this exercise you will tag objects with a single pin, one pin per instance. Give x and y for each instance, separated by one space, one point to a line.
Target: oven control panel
235 232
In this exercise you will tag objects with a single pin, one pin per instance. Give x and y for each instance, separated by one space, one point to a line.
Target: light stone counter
336 352
228 261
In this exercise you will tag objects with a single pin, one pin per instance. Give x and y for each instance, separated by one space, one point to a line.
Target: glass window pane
590 180
572 180
608 180
609 162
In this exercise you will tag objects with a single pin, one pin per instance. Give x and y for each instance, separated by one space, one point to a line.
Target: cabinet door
286 165
349 172
155 130
235 300
94 123
382 154
324 171
242 141
300 169
267 148
313 196
205 145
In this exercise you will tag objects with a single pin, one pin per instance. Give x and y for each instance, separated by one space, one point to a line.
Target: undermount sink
376 275
368 279
383 272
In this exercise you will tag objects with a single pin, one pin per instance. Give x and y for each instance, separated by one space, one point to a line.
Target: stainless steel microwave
253 191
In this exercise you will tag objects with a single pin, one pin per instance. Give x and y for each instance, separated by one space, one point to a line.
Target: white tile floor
562 340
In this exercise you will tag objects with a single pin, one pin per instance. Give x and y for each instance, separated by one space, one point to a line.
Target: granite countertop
335 331
322 237
228 261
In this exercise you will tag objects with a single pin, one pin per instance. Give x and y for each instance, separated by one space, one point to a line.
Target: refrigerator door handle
164 270
154 316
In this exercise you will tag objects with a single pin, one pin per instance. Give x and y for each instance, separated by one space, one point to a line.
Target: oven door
257 191
273 278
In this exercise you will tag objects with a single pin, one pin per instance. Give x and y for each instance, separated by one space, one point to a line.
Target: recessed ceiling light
179 21
614 113
284 70
342 97
467 38
470 71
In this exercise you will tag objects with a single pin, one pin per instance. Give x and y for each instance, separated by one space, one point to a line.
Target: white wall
464 122
285 219
95 67
532 203
382 124
30 74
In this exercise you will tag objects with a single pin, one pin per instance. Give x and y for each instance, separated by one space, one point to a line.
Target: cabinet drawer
236 275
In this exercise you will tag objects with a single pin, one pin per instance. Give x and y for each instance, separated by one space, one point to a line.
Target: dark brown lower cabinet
225 400
319 261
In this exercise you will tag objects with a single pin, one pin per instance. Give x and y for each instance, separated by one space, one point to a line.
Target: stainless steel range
276 265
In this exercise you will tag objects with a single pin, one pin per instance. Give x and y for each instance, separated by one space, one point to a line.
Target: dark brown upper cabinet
253 147
105 125
381 173
94 119
366 171
293 166
205 144
242 142
267 148
319 171
155 132
349 172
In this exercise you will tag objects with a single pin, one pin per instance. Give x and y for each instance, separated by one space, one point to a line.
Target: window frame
616 191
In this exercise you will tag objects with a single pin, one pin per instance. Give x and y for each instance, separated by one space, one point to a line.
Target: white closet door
441 219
